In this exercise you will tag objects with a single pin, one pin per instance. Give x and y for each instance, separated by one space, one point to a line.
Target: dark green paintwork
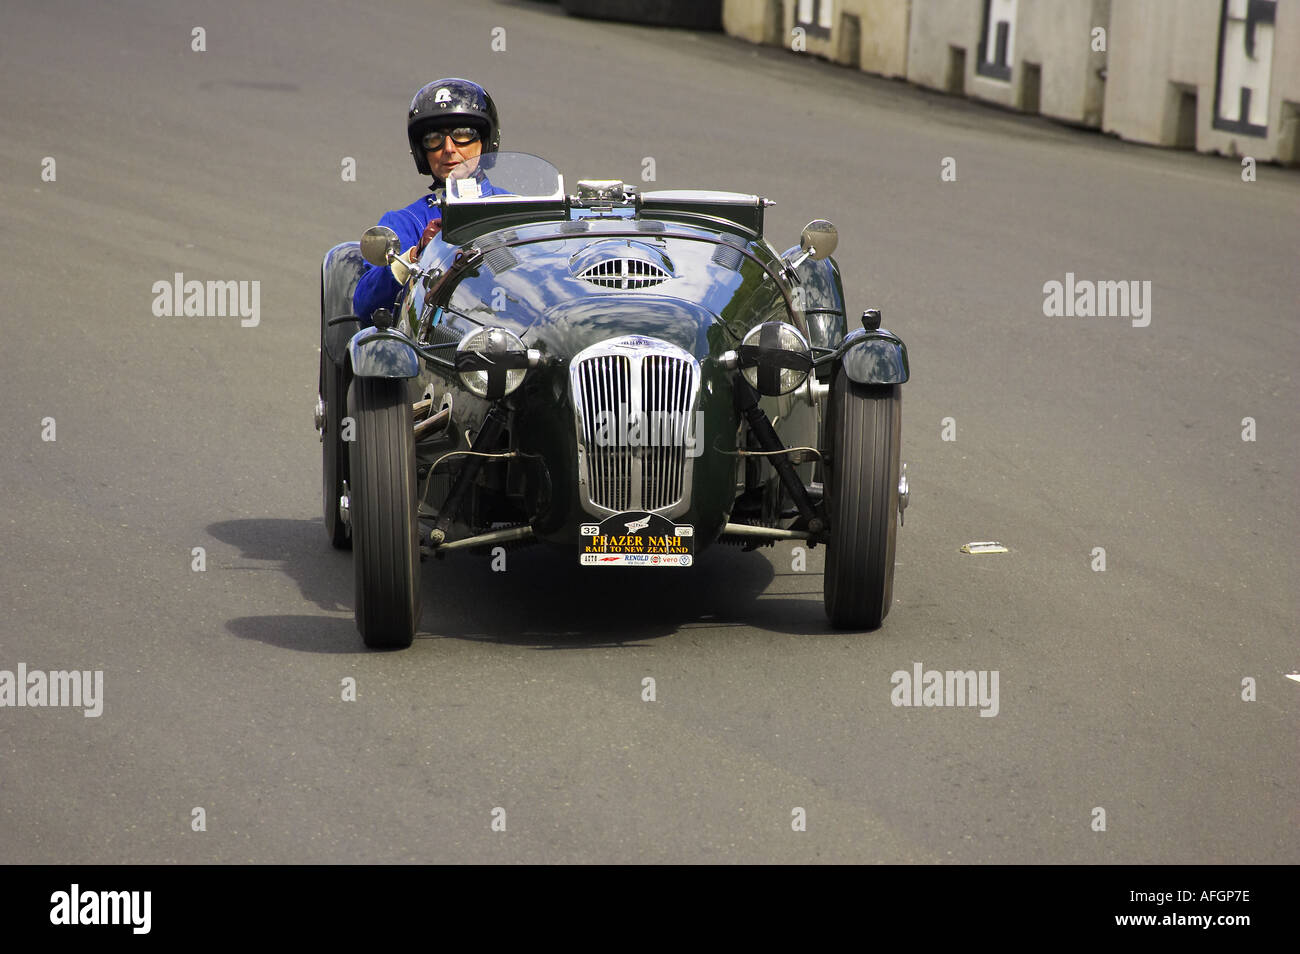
520 278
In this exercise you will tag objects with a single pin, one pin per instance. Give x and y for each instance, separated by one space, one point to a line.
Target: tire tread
384 525
862 483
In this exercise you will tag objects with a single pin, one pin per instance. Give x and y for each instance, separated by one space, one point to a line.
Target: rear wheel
383 511
334 452
861 491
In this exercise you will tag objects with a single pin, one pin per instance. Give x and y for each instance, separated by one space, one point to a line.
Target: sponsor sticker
637 539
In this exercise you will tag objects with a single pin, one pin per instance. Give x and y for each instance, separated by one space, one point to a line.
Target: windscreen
516 174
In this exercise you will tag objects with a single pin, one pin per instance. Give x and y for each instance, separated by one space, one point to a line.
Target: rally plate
637 539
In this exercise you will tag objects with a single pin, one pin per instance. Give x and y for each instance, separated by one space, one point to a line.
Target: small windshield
515 174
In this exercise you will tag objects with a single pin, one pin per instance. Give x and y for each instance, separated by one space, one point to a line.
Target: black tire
334 451
384 526
865 425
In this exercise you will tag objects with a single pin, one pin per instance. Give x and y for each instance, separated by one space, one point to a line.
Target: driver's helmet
448 102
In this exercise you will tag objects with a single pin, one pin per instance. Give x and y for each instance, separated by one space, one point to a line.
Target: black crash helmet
447 102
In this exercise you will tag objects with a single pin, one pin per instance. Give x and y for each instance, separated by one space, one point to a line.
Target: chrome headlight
774 358
492 362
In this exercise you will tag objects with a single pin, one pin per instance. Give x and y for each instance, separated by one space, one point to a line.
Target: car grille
634 397
605 384
624 273
666 399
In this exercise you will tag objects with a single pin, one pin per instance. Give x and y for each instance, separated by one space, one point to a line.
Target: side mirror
380 245
818 239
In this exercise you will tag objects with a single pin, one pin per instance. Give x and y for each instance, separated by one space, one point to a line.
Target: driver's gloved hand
400 266
430 230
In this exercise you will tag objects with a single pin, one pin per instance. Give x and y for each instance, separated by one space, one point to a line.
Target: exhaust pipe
433 425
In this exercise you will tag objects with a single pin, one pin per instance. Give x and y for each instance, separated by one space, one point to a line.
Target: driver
450 120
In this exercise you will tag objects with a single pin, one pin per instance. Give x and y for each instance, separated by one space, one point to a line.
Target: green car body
630 321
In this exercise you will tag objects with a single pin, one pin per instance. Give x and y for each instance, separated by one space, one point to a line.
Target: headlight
492 362
775 358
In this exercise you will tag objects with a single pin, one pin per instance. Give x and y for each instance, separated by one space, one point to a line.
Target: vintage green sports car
630 377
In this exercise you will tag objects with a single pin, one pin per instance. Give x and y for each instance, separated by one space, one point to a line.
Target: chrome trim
902 494
508 535
624 273
611 190
813 391
651 378
765 533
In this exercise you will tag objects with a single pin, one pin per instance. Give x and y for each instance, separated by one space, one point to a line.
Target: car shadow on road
536 596
299 549
543 598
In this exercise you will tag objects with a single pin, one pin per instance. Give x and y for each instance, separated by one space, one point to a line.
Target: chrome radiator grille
605 384
635 399
666 401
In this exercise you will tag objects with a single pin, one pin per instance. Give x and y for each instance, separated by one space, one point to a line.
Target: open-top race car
629 376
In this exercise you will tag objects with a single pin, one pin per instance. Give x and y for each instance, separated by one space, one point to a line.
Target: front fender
822 295
339 272
873 357
380 353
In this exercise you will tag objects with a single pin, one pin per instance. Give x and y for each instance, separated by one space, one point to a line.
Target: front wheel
865 424
383 511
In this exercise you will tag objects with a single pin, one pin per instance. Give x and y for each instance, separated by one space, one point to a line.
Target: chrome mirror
380 245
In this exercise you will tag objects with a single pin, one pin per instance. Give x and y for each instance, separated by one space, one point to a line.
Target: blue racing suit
377 288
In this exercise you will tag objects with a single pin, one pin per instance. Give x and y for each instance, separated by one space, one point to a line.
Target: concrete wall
1167 69
941 44
1031 55
758 21
869 35
1146 70
884 30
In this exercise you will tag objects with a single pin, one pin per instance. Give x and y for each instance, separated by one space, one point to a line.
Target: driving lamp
492 362
774 358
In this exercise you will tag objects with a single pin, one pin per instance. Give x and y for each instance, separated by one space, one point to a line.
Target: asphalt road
1119 689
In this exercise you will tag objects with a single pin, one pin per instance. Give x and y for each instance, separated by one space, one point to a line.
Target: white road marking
984 546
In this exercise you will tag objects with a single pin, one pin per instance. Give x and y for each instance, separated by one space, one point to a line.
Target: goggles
461 136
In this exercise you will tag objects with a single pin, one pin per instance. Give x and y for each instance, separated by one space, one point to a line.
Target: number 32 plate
637 539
